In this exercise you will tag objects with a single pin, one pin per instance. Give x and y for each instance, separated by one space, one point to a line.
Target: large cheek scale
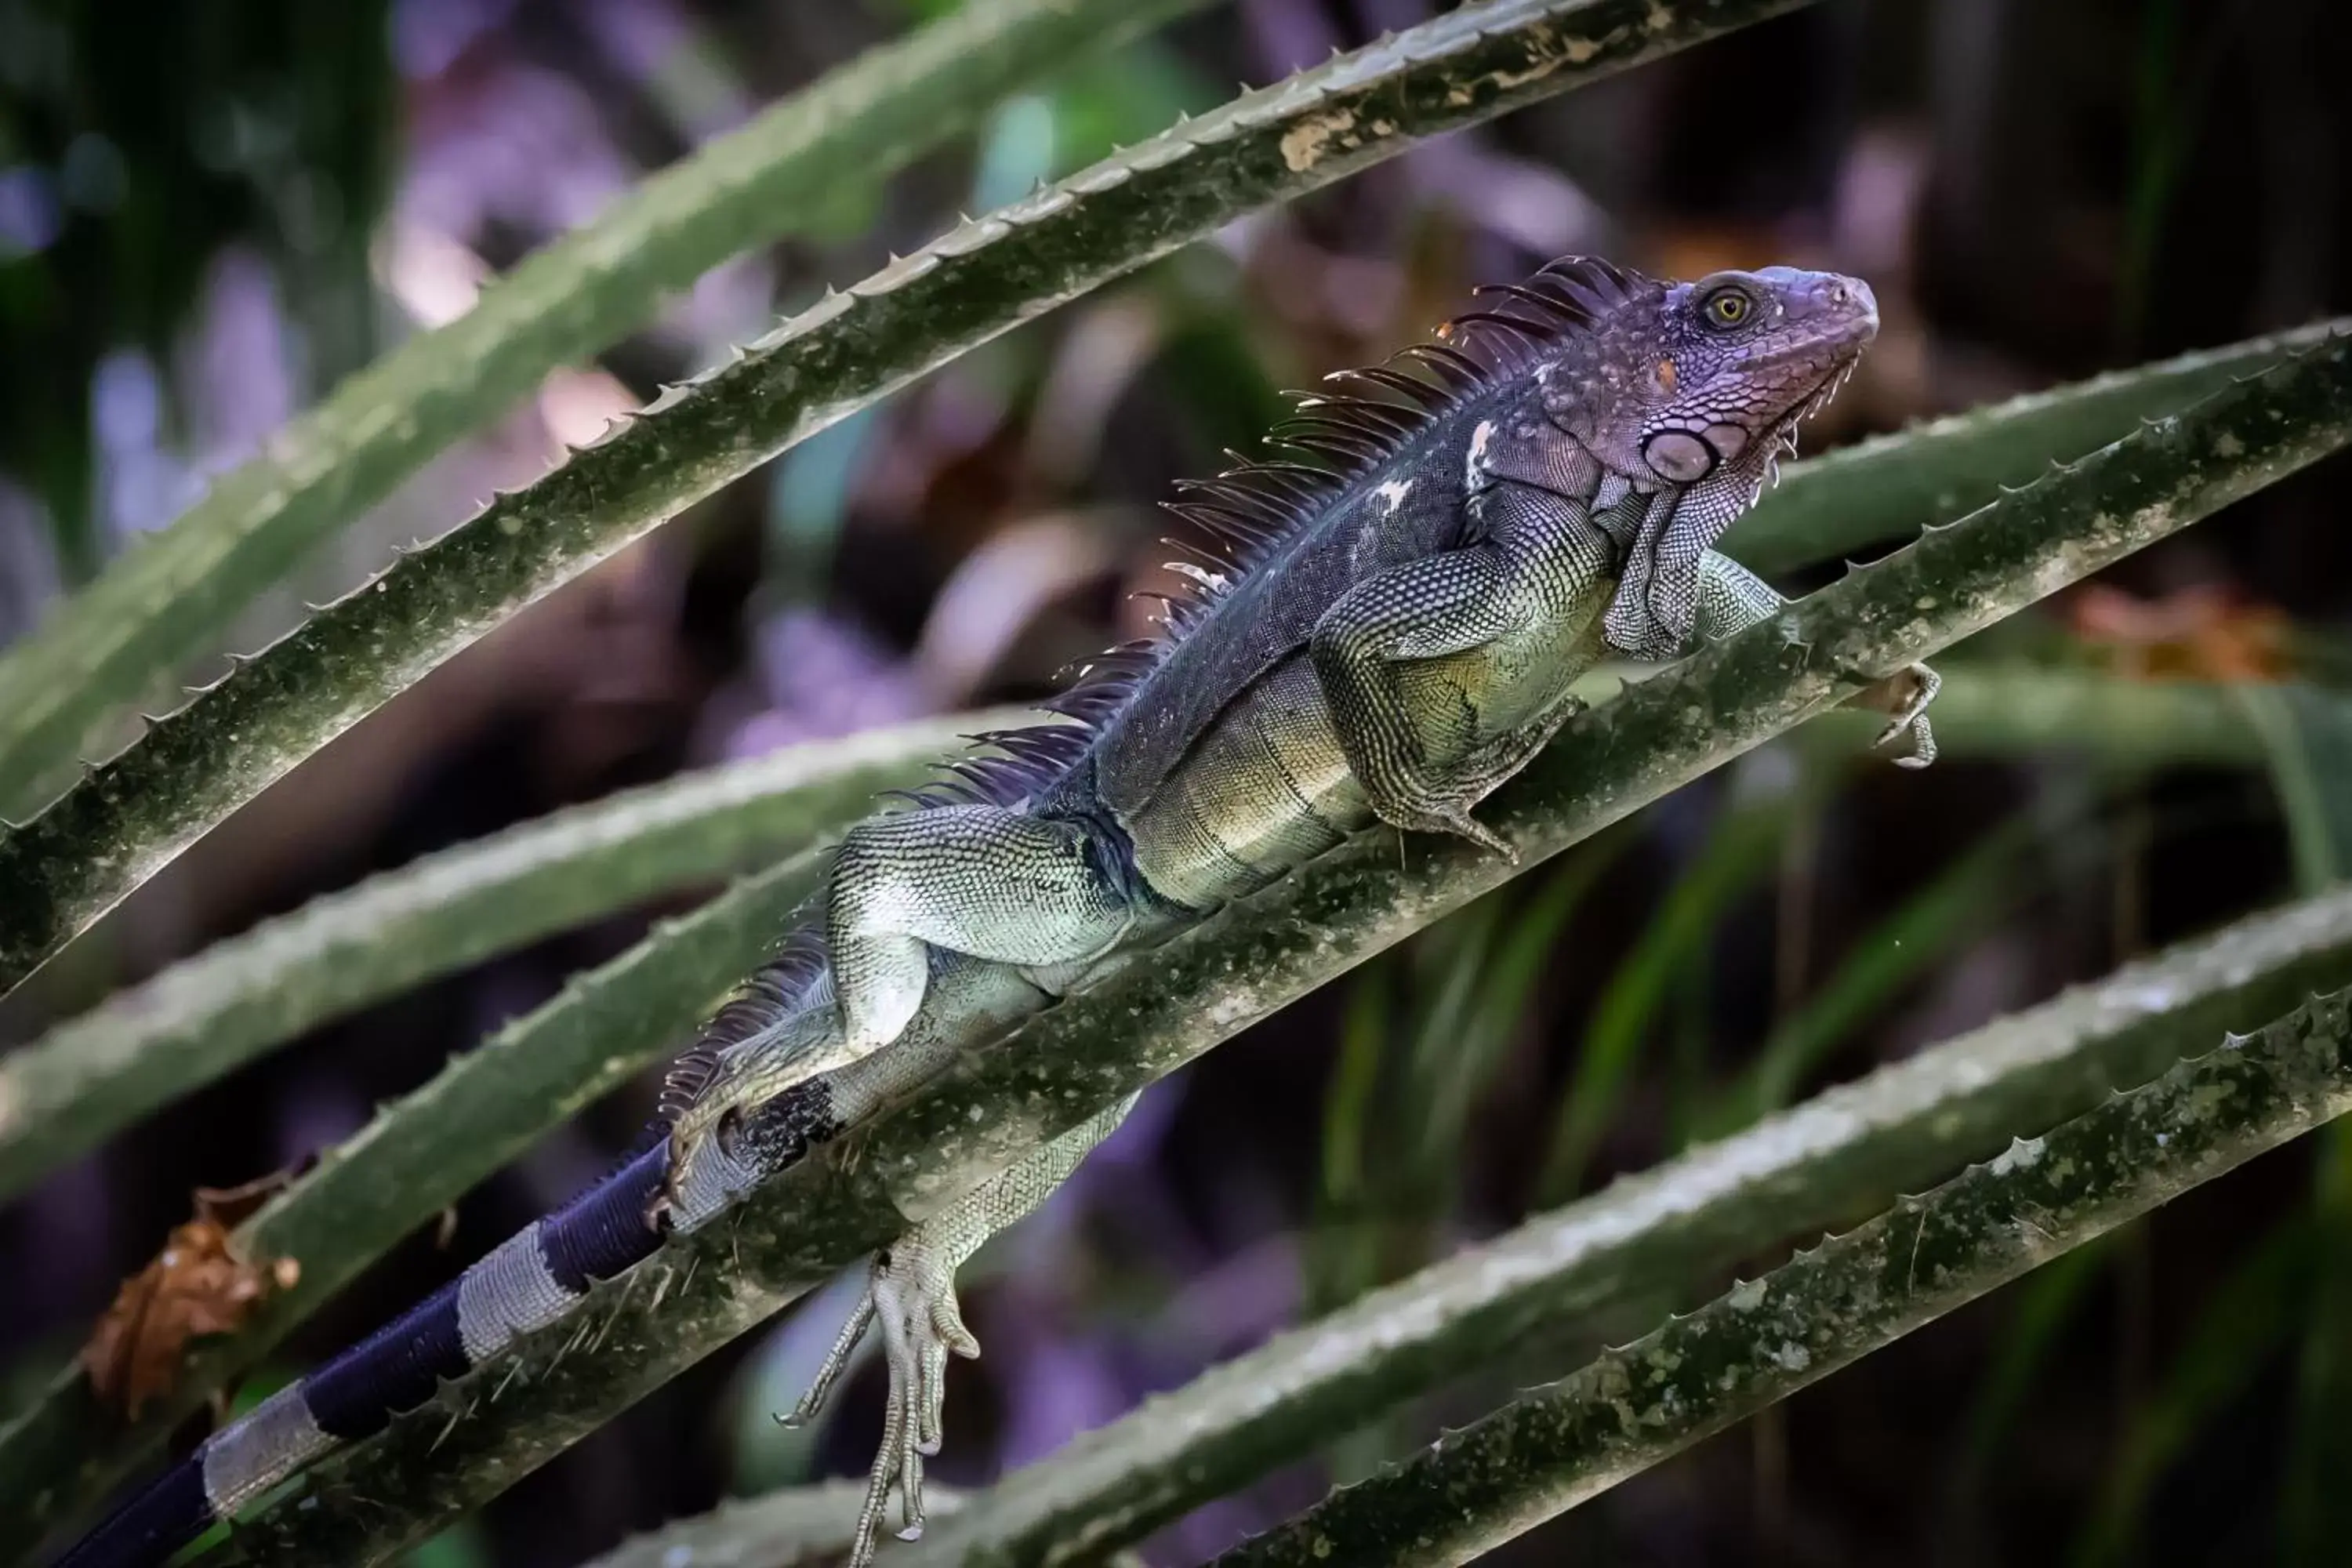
1678 456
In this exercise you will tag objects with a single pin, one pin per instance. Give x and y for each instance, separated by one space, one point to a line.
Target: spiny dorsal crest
1335 439
769 994
1248 510
1332 440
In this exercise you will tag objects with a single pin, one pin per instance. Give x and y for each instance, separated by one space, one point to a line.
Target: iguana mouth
1829 389
1784 438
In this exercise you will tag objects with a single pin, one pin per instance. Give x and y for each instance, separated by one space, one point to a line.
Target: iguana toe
1905 694
911 1294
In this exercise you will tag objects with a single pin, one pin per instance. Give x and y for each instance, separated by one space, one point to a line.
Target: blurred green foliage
136 141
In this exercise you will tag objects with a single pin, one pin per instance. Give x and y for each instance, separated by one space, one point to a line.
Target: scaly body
1390 634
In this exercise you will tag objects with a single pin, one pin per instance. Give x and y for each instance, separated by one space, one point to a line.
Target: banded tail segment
538 1274
529 1281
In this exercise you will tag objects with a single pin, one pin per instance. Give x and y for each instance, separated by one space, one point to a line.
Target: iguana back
1377 481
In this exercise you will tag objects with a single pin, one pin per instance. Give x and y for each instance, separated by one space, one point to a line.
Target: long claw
1462 825
946 1321
1923 743
878 1494
828 1371
1905 695
911 1294
910 1484
948 1337
1426 808
930 1398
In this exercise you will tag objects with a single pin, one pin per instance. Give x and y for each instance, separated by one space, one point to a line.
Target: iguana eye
1727 306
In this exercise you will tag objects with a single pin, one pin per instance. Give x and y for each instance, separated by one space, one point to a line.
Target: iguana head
1679 380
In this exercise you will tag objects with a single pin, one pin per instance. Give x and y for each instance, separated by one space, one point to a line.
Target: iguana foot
1446 808
911 1291
1905 694
745 1082
695 1127
1451 817
748 1075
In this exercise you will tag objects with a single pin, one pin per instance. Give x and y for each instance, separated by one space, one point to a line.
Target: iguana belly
1265 787
1268 785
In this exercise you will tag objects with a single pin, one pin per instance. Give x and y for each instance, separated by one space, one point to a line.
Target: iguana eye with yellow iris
1727 307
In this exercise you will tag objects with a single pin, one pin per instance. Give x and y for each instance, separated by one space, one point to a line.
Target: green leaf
165 602
199 1019
805 1527
1543 1283
1423 1034
2316 1511
111 831
1156 1011
1887 487
1461 1045
1743 845
2306 735
2040 1309
1822 1310
1342 1253
1958 902
2243 1325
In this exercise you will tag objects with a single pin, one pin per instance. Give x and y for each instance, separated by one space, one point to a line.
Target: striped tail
529 1281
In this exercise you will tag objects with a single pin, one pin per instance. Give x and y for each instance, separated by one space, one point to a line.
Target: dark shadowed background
210 212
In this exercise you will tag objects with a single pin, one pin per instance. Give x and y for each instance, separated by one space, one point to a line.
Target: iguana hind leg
911 1294
1508 611
979 879
1488 767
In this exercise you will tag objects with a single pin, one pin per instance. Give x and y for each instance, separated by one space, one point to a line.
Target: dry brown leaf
197 1285
2207 632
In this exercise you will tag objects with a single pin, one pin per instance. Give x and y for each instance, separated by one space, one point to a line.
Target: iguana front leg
1731 598
910 1293
1665 590
1517 600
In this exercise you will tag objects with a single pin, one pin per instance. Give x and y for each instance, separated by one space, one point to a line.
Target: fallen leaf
197 1285
2207 632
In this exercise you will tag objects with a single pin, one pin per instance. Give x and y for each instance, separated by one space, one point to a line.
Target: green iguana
1386 631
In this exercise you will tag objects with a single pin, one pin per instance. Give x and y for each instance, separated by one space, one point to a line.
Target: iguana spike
1384 421
1338 447
1338 430
1274 466
1427 399
1247 511
1454 368
1556 304
1460 325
